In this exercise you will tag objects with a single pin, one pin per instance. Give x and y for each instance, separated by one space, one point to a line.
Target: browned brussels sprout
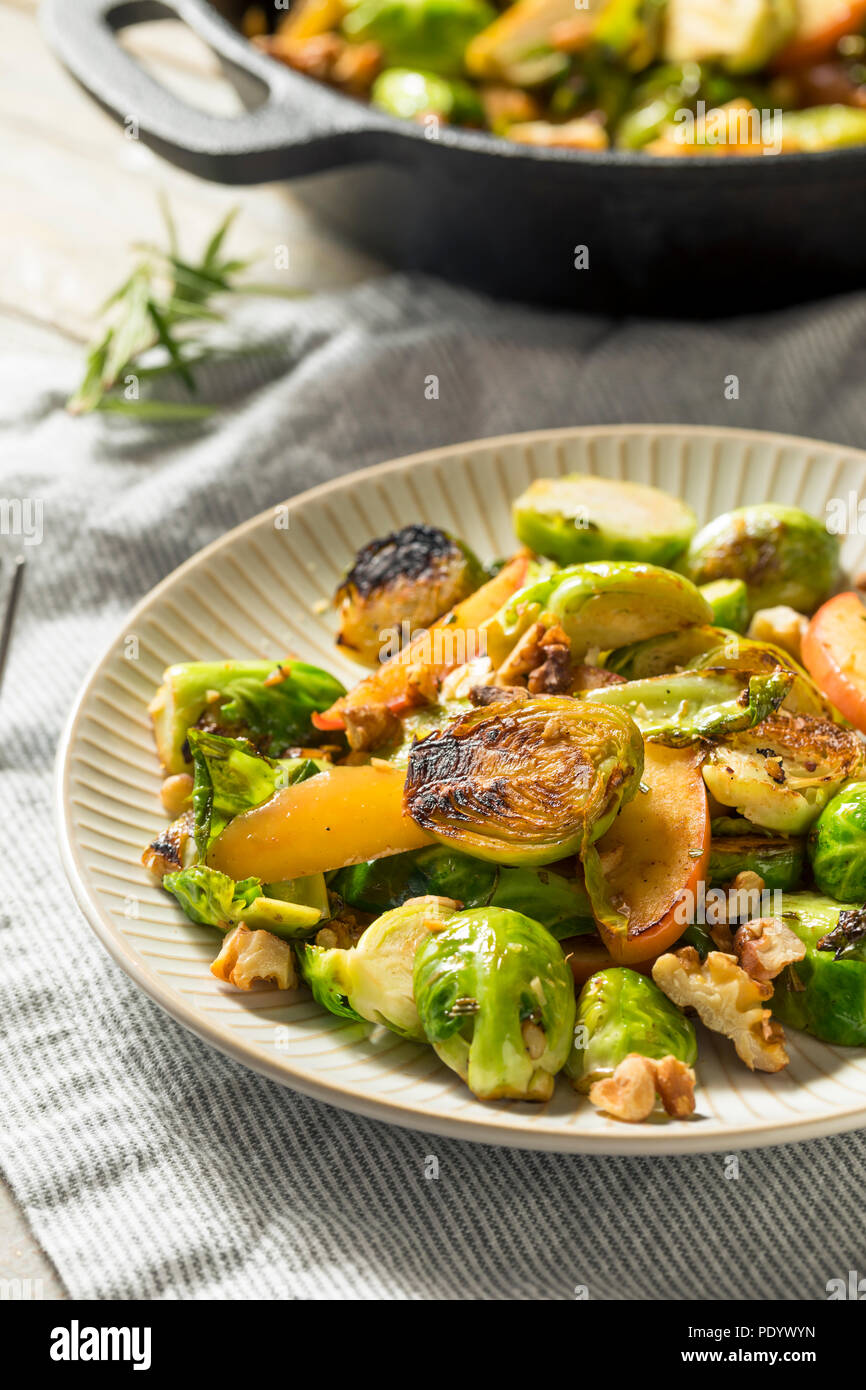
525 783
399 583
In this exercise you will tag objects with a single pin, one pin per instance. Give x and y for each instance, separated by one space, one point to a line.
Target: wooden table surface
75 194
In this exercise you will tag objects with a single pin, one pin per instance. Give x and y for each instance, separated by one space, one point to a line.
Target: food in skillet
580 798
669 77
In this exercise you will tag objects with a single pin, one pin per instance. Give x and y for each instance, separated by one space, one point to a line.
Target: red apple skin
834 654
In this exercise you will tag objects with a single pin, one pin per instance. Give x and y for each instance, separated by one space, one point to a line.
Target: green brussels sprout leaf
681 709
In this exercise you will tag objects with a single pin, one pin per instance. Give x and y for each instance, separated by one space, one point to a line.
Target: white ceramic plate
258 592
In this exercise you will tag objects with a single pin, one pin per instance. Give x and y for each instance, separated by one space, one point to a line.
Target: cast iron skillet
686 236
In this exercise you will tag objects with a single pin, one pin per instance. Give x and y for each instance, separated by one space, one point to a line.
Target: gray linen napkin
151 1166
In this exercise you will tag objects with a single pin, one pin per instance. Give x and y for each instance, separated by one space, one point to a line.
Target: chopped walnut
765 946
524 656
727 1000
675 1083
248 956
783 626
743 900
483 695
368 726
165 854
344 930
585 678
175 793
553 676
630 1092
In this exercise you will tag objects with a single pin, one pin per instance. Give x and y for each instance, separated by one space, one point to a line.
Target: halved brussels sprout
778 860
618 1012
215 900
412 94
373 980
400 583
269 703
837 846
495 997
821 994
603 605
782 554
738 653
681 709
729 600
782 773
559 903
671 651
577 518
429 34
525 783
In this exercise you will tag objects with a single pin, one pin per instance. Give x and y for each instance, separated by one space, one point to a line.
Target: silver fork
9 612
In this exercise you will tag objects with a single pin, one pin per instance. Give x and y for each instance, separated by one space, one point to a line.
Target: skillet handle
295 127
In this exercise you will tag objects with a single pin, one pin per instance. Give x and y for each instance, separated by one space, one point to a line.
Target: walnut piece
369 726
765 946
630 1092
727 1000
783 626
248 956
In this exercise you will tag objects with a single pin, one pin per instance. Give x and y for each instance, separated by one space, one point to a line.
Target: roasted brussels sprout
495 997
692 705
777 859
837 846
215 900
618 1012
743 654
268 703
671 651
782 555
559 903
782 773
411 94
578 518
729 600
821 994
427 34
231 777
373 980
400 583
603 605
525 783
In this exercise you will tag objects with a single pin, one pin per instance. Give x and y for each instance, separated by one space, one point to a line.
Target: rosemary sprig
161 309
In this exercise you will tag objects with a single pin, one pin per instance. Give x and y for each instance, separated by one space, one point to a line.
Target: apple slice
834 654
346 815
820 26
656 851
